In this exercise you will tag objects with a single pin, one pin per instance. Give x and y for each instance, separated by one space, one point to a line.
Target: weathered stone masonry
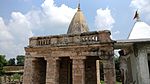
71 56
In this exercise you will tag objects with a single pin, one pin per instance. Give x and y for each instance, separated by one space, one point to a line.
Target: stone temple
73 58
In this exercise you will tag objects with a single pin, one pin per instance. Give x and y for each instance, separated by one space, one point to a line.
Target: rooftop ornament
137 16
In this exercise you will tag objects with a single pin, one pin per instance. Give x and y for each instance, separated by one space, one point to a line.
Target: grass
102 82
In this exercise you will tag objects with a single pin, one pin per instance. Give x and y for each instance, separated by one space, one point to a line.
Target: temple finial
79 6
137 16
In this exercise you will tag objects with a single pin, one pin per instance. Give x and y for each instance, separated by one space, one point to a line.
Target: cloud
143 6
62 14
4 31
49 19
104 19
14 35
20 27
117 32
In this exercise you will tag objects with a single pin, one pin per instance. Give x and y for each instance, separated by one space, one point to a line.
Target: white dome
140 30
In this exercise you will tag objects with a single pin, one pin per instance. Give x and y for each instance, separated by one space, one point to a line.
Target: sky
22 19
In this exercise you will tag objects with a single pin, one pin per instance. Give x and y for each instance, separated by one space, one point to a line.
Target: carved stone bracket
106 55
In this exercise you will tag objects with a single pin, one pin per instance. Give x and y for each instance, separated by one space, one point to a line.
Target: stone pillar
52 72
142 66
98 71
109 71
78 70
28 76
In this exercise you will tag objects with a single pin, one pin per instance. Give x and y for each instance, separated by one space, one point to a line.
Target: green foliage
20 59
11 62
102 82
15 76
3 62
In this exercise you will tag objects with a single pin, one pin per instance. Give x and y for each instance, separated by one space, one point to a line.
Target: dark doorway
40 71
90 70
101 72
65 70
148 57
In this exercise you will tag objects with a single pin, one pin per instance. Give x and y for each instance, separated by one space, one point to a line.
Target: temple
73 58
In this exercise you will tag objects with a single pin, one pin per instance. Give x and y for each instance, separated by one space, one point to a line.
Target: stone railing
66 39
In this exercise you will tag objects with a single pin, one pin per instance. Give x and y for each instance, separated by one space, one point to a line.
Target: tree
3 62
20 59
11 62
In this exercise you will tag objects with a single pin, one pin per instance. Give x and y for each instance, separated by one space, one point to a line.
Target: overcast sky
21 19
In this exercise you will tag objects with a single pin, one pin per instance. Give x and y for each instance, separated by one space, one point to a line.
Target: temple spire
78 23
137 16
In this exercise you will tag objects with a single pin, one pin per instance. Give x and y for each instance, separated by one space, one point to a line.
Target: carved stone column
98 71
29 69
52 72
109 71
78 70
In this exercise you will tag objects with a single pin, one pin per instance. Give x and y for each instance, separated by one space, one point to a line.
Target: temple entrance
101 72
90 70
65 71
40 71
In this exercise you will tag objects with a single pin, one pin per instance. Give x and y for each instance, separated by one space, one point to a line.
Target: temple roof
140 30
78 23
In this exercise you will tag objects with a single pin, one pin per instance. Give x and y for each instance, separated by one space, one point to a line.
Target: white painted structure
139 61
140 30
